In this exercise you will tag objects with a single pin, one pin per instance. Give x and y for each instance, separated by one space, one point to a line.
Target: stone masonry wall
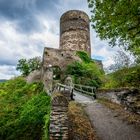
59 118
55 57
74 31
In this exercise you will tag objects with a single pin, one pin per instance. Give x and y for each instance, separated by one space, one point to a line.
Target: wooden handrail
83 91
78 87
59 86
65 86
85 86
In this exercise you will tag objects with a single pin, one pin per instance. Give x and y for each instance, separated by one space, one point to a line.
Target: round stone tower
75 31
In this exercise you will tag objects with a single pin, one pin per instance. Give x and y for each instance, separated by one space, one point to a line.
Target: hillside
24 110
2 80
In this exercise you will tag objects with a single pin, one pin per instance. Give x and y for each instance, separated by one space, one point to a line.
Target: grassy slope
23 108
126 77
80 126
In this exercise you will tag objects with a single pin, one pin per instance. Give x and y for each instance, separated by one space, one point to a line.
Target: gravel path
106 123
82 99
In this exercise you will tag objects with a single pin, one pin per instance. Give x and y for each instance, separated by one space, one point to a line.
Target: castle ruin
74 36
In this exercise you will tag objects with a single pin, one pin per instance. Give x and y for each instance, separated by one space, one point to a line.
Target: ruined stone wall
59 118
74 31
34 76
129 98
55 57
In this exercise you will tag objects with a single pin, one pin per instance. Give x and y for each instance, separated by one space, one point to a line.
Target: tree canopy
118 21
26 66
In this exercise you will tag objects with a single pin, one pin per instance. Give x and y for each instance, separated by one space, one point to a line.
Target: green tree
118 21
125 72
85 72
26 66
83 56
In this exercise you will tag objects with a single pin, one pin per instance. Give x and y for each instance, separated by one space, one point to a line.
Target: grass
80 126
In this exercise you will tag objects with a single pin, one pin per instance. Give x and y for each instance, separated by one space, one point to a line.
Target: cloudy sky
27 26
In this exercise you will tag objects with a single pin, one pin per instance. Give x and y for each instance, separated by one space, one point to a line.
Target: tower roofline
67 14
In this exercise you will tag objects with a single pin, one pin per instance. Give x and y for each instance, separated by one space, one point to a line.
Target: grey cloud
15 9
24 12
8 71
8 62
27 50
29 24
39 18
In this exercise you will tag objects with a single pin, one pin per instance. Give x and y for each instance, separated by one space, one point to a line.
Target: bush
22 109
84 56
85 72
126 77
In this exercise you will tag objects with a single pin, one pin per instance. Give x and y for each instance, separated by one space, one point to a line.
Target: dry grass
80 126
122 114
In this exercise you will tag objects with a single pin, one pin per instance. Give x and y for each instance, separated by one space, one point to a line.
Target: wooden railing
87 90
61 87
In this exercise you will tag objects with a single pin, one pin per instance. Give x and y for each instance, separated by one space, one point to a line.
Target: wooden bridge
76 89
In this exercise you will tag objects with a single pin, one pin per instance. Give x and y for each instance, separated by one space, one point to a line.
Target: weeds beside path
80 126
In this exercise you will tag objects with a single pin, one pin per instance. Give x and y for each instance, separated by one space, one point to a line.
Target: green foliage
22 109
118 21
84 56
26 66
86 72
123 74
46 127
126 77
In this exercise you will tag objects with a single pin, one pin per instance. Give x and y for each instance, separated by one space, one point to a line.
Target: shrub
126 77
86 72
22 109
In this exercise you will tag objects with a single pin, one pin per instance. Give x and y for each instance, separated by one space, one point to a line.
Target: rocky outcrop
129 98
34 76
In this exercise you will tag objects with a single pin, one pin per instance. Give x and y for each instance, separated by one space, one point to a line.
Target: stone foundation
59 118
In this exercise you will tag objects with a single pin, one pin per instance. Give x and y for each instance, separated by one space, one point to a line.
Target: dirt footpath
108 126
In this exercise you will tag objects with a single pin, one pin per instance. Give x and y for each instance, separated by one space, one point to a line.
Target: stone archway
51 76
56 72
